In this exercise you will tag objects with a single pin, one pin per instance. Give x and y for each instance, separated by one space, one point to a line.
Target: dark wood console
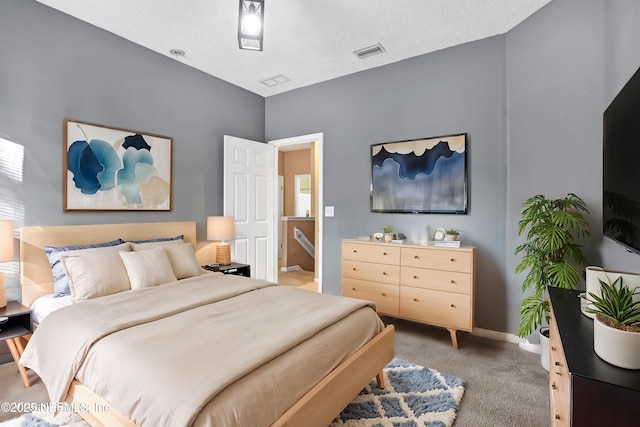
585 390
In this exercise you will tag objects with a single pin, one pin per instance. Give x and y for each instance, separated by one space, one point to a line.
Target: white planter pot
544 349
595 274
619 348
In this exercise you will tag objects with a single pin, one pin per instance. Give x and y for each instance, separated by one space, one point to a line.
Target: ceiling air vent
366 52
275 80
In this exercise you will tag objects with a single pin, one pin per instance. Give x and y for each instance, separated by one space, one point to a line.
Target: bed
312 365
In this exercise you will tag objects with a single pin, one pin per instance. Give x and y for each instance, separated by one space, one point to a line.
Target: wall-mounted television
426 175
621 167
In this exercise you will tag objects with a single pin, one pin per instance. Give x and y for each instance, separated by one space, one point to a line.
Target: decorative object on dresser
108 169
420 283
221 228
550 254
420 176
616 328
388 233
585 390
451 234
6 254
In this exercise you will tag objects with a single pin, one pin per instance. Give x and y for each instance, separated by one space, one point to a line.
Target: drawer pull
553 386
415 277
355 251
453 306
415 299
384 253
416 257
453 282
384 273
557 417
355 269
384 295
453 260
553 347
353 289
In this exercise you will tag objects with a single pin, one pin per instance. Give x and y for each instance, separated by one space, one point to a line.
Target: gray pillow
60 281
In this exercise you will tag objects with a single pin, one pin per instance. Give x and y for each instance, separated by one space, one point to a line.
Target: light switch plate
328 211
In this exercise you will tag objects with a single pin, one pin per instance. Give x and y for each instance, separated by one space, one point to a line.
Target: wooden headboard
36 278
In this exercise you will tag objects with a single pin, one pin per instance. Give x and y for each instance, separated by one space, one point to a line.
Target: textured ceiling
308 41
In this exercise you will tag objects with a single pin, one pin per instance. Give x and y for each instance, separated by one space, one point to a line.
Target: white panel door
249 186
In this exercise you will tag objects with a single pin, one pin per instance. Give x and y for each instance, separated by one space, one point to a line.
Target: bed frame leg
380 379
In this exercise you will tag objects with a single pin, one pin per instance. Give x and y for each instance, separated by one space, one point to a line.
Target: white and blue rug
414 396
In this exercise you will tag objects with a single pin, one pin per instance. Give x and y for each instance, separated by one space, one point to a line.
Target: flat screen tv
420 176
621 167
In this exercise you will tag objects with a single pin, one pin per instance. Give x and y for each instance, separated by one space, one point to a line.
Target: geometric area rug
414 396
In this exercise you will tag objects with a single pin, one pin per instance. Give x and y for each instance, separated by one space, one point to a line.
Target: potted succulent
616 327
451 234
388 233
550 256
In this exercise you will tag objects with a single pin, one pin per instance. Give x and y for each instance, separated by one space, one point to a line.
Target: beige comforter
175 347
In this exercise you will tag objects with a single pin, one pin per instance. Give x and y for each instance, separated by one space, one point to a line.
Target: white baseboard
291 268
503 336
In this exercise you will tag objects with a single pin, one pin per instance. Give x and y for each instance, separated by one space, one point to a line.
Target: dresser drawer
437 259
559 380
446 309
385 296
381 254
383 273
438 280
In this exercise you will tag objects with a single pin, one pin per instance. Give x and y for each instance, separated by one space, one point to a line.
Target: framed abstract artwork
420 176
108 169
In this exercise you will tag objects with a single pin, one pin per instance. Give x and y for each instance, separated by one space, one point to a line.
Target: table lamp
6 254
221 228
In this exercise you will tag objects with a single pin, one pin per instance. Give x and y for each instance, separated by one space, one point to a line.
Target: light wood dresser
426 284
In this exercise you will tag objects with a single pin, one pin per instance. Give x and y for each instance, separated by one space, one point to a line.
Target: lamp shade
221 228
6 240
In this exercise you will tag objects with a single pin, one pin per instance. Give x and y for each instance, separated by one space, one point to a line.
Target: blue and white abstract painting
421 176
113 169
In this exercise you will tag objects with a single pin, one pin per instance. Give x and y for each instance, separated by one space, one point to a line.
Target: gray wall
454 90
555 78
56 67
532 103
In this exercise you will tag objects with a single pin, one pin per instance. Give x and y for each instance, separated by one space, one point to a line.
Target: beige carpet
505 386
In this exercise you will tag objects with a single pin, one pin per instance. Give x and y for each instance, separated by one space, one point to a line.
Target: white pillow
94 274
148 268
183 260
150 245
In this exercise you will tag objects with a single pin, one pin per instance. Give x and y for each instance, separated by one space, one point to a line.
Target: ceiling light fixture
177 52
250 24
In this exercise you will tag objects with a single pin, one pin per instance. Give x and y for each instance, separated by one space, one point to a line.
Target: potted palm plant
550 256
616 328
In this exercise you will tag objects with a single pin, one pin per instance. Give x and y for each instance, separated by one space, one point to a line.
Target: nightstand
18 324
235 268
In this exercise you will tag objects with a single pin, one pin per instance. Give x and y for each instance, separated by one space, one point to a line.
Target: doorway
314 143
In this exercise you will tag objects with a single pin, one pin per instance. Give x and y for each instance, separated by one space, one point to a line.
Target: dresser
425 284
584 390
